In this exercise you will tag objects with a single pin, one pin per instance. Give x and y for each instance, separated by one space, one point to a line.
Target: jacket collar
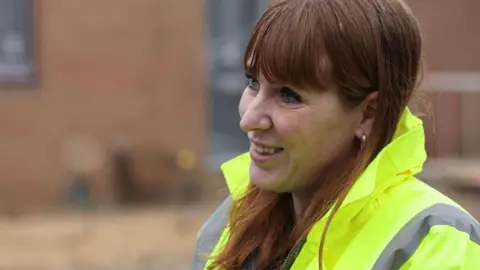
405 155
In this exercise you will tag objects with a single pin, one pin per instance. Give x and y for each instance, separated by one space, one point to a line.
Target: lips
266 150
261 153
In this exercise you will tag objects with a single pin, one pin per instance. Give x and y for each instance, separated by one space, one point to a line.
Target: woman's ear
369 110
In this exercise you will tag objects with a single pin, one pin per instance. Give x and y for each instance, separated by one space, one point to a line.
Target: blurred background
116 116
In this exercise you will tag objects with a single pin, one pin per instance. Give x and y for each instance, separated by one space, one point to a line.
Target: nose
256 116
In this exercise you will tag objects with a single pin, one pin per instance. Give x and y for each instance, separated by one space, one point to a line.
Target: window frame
24 72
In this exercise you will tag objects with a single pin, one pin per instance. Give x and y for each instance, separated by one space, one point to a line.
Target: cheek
296 129
304 132
332 136
292 126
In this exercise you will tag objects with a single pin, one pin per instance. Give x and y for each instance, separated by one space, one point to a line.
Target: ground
142 238
129 239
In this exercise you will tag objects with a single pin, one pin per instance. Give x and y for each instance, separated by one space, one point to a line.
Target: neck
300 200
319 194
324 188
297 206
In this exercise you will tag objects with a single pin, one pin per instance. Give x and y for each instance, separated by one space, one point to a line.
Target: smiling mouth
267 150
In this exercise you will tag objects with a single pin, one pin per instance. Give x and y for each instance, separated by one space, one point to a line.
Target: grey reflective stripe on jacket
398 251
210 234
408 239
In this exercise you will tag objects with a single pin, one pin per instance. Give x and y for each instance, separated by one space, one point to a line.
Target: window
230 23
16 41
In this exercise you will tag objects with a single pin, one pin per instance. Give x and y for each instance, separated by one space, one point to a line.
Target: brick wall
131 71
452 40
124 70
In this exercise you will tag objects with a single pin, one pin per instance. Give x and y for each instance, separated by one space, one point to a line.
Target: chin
267 186
268 180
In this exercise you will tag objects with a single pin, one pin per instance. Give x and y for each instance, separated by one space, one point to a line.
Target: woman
329 180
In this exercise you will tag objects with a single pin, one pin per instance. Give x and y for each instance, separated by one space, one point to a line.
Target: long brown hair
357 47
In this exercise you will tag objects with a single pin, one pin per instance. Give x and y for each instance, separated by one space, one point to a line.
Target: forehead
304 90
287 47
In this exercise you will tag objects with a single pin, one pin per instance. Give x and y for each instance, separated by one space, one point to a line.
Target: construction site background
116 116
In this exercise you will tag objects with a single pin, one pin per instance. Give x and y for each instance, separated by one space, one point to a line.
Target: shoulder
422 208
210 233
435 232
217 221
440 237
414 196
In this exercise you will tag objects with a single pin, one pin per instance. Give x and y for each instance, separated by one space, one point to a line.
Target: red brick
126 68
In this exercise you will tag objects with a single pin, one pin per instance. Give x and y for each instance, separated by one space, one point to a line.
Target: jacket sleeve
447 248
210 234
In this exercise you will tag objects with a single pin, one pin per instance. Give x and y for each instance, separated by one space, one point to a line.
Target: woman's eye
289 96
252 82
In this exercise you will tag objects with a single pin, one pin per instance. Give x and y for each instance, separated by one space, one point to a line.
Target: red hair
355 46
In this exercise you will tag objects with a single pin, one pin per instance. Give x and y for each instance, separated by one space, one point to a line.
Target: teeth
264 150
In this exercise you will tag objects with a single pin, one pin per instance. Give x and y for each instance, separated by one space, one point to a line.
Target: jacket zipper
287 264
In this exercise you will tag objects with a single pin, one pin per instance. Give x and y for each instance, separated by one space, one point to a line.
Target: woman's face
293 133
